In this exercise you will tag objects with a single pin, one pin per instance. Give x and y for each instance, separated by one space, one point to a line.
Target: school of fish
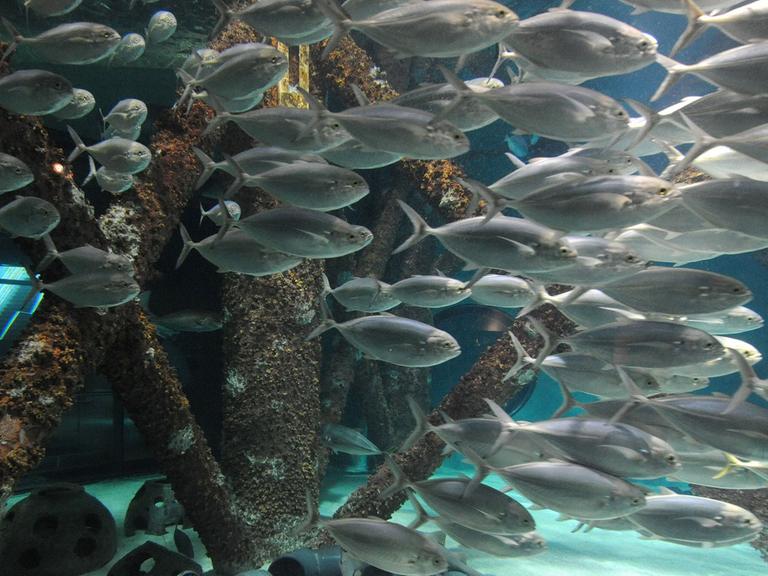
593 218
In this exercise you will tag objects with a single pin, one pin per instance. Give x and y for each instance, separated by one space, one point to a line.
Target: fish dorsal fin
664 491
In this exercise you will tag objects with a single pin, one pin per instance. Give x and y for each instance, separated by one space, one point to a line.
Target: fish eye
501 13
663 191
274 60
643 43
671 458
621 113
107 35
19 171
457 137
564 250
708 346
436 561
335 125
737 290
636 501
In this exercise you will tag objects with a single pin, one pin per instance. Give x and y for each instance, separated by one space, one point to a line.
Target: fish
737 204
188 321
86 259
434 98
162 25
393 339
485 509
52 7
437 29
647 344
252 161
347 440
502 546
740 69
586 43
734 321
134 134
283 20
678 291
109 180
569 113
745 23
511 244
704 469
677 383
237 252
429 291
29 217
14 173
397 129
593 204
305 233
34 92
74 43
621 450
131 47
183 543
356 155
127 114
312 185
502 291
362 294
116 154
571 489
364 9
95 289
215 213
82 103
694 520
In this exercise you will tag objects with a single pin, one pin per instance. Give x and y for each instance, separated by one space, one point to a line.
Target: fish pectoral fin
701 521
612 201
625 452
316 237
522 248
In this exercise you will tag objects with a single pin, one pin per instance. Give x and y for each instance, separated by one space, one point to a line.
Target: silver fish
552 110
286 127
14 173
598 262
216 215
95 289
434 98
134 134
503 291
502 546
677 383
364 9
188 321
736 204
724 364
692 519
162 25
438 29
678 291
594 308
741 69
287 19
430 291
127 114
746 23
310 185
237 252
573 489
647 344
396 340
347 440
356 155
484 509
117 154
86 259
504 243
82 103
52 7
582 42
109 180
252 161
733 321
363 295
705 468
29 217
75 43
131 47
305 233
34 92
676 7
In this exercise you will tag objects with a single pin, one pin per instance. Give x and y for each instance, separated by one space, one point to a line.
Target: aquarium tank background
411 287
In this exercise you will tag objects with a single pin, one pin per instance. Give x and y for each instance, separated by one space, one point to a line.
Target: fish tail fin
400 482
420 228
326 291
750 382
494 202
541 297
522 360
312 518
733 463
422 424
51 254
503 55
635 394
203 214
341 24
327 321
483 470
222 117
209 167
694 28
421 515
463 92
225 17
80 147
239 180
189 244
13 33
568 401
651 118
91 171
189 85
550 340
316 107
674 71
702 143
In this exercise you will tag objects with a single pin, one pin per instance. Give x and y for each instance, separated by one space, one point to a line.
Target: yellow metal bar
298 58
